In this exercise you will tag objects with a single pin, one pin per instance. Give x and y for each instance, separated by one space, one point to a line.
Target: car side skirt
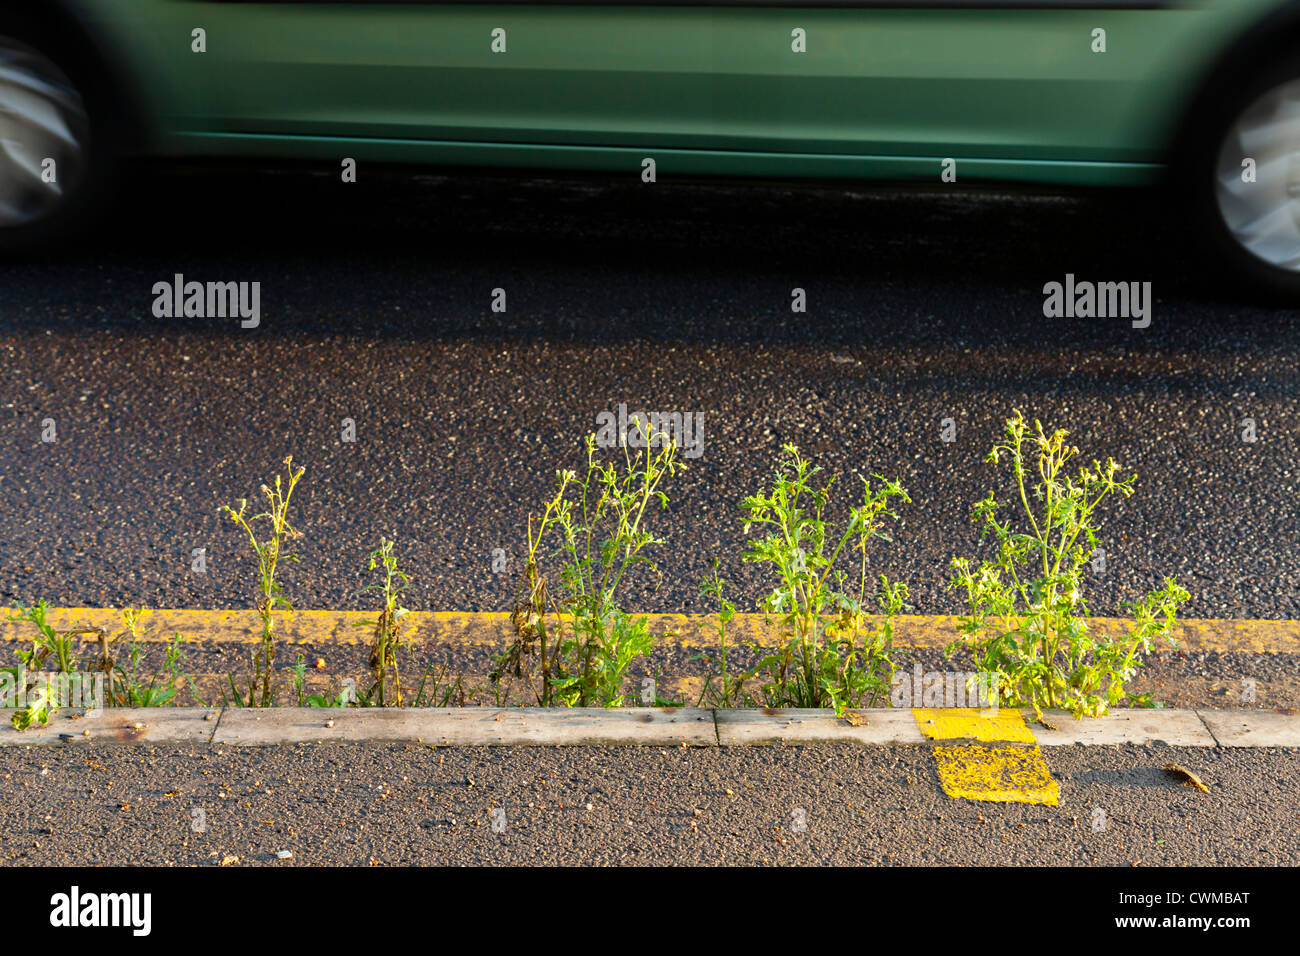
668 162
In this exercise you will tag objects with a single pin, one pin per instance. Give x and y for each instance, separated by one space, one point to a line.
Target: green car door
1049 92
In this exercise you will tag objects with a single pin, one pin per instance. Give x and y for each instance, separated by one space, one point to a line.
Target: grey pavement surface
409 804
376 307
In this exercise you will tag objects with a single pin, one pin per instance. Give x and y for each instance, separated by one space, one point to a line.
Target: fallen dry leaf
1189 779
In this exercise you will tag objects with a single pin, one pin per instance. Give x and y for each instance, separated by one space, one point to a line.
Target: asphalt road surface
376 306
408 804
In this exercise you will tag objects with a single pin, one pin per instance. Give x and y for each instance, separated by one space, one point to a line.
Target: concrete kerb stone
145 725
666 727
739 728
1177 728
473 726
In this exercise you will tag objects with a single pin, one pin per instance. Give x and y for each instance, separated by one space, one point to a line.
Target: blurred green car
1203 96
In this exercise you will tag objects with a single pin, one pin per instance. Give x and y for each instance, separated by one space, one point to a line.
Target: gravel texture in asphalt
376 306
412 804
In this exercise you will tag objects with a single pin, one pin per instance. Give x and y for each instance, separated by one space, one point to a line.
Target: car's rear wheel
1246 181
52 156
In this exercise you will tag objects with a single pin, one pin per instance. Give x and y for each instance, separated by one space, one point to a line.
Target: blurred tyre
55 159
1247 183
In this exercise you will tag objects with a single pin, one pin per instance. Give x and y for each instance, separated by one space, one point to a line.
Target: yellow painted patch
999 773
1002 763
960 723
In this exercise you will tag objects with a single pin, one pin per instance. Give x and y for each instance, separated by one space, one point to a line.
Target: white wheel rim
1263 215
42 118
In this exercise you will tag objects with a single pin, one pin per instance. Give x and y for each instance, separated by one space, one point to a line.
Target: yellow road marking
960 723
996 761
492 629
997 773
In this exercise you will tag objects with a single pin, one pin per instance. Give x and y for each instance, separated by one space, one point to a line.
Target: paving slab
472 726
1252 729
811 726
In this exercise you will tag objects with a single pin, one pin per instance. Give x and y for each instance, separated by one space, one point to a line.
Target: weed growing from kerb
128 686
722 688
385 691
269 551
820 662
444 691
574 643
49 645
1028 620
336 696
51 648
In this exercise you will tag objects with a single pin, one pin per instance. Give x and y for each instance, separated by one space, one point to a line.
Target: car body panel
882 91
